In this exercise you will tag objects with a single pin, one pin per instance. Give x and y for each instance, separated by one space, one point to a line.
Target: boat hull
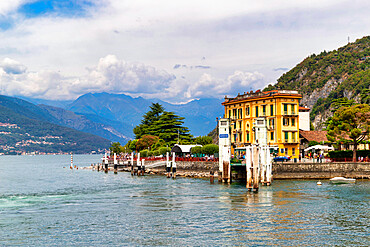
341 180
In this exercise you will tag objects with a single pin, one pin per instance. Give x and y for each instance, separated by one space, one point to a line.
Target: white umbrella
320 147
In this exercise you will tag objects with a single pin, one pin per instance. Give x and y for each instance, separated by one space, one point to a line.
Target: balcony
290 141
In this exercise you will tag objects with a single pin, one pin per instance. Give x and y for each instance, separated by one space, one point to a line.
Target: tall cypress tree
165 125
149 118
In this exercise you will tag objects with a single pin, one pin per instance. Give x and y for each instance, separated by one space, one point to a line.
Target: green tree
350 123
196 150
132 145
210 149
146 141
149 118
203 140
116 148
164 150
169 128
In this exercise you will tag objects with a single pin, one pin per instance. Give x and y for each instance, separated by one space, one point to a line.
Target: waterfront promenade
201 167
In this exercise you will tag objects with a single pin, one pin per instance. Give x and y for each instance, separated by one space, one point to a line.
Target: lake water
44 204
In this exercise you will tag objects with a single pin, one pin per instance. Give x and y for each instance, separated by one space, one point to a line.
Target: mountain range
328 76
112 116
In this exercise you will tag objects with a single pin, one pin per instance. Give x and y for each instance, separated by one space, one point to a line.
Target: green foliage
158 144
313 143
156 153
196 150
146 141
116 148
144 153
350 123
203 140
132 145
165 125
164 150
210 149
148 120
150 153
311 126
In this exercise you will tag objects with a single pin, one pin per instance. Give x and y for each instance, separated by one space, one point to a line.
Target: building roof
316 135
258 94
301 108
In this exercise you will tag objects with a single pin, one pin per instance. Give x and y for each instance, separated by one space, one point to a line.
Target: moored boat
342 180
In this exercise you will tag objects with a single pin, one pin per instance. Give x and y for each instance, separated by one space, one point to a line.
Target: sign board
224 135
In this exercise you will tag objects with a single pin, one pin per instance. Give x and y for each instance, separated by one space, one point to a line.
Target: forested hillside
26 128
330 75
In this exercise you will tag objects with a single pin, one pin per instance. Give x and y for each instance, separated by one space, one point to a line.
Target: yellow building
277 109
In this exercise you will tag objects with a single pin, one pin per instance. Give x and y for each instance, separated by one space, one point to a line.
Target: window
272 135
264 110
229 113
293 112
234 113
272 123
248 137
293 136
271 110
286 151
285 109
293 121
256 111
247 111
285 121
286 136
241 113
223 123
293 151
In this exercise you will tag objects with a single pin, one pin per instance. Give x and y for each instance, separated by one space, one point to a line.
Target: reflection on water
43 204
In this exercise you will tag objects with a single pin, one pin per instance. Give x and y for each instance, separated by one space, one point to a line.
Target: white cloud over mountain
118 76
244 41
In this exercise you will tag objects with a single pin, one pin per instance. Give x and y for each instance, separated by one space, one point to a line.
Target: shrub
210 149
196 150
144 153
164 150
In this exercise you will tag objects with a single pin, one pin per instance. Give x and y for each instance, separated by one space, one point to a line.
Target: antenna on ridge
348 39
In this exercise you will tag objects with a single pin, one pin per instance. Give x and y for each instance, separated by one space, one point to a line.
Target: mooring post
256 163
248 164
211 177
115 164
173 165
263 165
138 164
132 163
106 163
168 165
143 167
268 168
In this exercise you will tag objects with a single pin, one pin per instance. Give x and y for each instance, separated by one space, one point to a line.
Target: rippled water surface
43 204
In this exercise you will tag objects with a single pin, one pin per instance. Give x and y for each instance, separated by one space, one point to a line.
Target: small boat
342 180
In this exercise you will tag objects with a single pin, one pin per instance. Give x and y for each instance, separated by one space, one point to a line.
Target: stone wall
320 170
284 170
205 166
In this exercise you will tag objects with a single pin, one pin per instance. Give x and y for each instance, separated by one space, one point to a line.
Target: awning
319 147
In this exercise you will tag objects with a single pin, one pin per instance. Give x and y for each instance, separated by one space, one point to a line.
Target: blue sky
65 8
172 50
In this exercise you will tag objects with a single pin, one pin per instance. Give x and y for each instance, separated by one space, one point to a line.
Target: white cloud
237 38
11 66
239 81
7 6
113 75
